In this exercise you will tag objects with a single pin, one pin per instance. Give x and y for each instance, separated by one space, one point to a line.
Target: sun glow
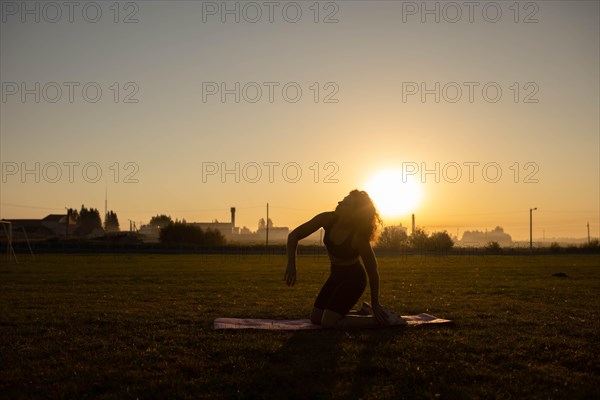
393 195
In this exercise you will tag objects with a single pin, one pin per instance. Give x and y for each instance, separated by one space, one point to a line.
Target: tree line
396 238
182 233
87 220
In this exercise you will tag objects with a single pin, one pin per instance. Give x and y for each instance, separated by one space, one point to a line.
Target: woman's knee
316 316
330 319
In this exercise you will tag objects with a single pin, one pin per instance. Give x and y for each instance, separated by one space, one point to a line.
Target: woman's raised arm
298 234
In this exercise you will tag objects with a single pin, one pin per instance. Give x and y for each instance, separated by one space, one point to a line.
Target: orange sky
184 114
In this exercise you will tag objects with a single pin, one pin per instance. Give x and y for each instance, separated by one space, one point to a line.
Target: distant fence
71 246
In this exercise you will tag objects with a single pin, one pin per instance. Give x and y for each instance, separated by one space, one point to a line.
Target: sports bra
342 251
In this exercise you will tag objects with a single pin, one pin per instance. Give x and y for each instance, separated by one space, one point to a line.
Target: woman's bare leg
331 319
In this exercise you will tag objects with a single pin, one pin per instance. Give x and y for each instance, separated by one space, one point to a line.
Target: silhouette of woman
349 231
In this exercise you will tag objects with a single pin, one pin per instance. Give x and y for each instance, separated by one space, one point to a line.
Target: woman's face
345 207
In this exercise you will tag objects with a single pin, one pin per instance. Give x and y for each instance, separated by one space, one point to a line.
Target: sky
478 112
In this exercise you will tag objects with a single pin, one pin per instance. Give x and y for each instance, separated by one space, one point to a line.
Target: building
478 238
233 234
276 234
52 226
227 229
149 233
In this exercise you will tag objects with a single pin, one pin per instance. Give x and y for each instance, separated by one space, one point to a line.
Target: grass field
140 326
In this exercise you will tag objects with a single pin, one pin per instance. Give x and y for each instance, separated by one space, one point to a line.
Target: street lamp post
531 228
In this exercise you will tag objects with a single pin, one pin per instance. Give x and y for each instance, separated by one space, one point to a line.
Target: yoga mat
305 324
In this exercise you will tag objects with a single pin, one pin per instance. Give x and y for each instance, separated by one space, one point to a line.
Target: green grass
140 326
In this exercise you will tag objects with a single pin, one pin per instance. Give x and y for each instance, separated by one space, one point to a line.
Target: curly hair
366 218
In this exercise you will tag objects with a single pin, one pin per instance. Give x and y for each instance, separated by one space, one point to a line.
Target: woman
349 231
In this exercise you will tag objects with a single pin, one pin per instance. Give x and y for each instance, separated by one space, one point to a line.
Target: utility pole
267 224
105 204
531 228
588 226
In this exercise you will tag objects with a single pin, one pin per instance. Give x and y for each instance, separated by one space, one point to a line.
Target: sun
393 195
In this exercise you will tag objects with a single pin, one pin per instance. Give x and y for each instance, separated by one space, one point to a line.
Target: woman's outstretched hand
290 275
380 315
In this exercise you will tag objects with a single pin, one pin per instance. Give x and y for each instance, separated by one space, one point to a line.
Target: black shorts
341 291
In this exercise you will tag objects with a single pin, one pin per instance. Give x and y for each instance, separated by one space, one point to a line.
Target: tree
440 241
263 225
393 238
555 247
181 233
73 215
493 247
418 239
91 216
591 245
213 237
111 222
185 234
88 221
159 221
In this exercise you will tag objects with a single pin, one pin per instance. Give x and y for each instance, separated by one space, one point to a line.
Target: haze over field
467 116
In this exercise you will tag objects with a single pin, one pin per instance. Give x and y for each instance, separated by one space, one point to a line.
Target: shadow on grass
333 364
304 367
369 368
